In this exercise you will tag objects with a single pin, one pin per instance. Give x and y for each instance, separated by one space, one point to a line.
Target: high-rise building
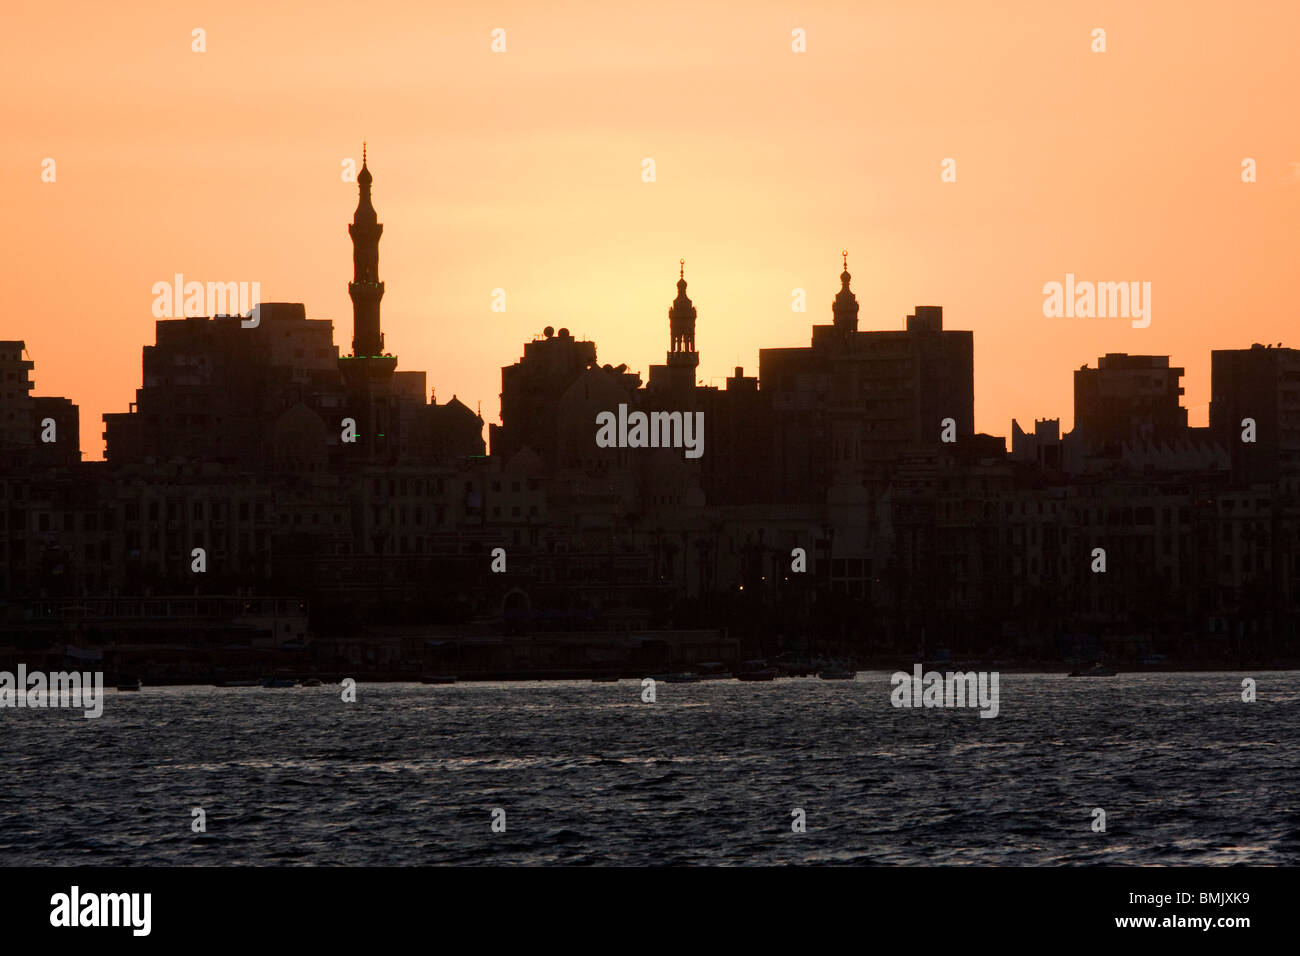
531 391
1127 398
39 430
213 388
16 424
847 407
1255 394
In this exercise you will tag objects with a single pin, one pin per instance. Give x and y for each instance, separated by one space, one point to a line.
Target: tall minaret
845 306
365 288
368 371
681 326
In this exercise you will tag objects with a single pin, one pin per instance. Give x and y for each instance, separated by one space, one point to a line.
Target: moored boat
681 678
1096 670
837 673
756 671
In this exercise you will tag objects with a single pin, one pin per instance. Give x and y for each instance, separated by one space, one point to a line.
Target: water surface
709 774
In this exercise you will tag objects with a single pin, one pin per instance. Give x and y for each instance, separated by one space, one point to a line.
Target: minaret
845 306
675 381
365 288
681 327
368 371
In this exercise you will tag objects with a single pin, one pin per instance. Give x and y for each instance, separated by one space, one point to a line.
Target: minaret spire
681 318
368 372
845 306
675 379
365 288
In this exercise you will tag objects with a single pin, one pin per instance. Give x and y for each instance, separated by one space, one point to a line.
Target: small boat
605 679
279 682
795 666
837 673
312 682
238 683
713 671
437 679
681 678
1096 670
756 671
130 685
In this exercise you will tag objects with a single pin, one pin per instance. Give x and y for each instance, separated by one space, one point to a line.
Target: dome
299 440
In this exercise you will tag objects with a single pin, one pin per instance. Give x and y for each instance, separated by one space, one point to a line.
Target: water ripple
587 774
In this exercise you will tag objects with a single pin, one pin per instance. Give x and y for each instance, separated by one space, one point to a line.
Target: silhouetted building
234 390
1261 383
1128 397
33 429
846 408
58 419
531 391
16 425
212 388
1041 448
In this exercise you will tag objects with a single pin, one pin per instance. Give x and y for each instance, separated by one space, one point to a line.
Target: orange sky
522 171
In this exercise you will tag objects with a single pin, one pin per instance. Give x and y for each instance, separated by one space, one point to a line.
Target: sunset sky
522 170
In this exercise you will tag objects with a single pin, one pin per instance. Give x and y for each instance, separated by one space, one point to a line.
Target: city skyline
442 438
333 485
528 179
177 304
